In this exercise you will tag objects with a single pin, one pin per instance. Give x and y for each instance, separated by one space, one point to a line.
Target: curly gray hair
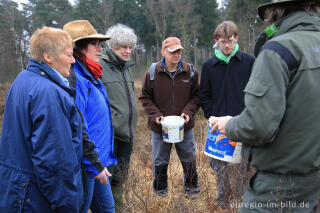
121 34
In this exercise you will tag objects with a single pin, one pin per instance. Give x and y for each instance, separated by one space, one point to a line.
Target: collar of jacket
221 56
108 55
82 68
180 65
297 21
160 68
46 71
238 56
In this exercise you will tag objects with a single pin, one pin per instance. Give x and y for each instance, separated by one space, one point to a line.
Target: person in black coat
223 79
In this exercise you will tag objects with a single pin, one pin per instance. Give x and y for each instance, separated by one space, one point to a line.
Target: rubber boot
160 182
117 192
191 186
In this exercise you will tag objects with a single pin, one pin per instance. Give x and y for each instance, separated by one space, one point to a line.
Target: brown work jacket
166 95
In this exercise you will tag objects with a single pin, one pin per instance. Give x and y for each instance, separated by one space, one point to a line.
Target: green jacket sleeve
265 102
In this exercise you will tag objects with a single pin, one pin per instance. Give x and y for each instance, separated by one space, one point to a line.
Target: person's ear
162 52
216 40
236 38
47 58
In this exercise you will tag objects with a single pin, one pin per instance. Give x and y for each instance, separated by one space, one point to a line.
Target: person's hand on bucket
158 120
186 117
219 123
102 177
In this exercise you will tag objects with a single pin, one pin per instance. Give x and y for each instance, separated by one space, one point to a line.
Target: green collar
219 54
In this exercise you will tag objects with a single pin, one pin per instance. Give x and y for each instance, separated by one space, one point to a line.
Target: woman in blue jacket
92 101
41 140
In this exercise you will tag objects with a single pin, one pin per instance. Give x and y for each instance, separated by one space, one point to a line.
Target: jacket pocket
257 87
13 186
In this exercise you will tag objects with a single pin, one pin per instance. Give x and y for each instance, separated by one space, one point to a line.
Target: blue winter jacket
40 146
92 100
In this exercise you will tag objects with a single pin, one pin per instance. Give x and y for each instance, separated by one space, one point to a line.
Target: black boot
191 186
160 182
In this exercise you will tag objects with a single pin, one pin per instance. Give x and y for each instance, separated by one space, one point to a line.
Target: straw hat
280 3
82 29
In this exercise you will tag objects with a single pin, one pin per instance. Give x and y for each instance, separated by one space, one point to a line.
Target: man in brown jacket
171 88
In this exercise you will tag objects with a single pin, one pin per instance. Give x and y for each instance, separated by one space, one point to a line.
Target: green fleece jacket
279 126
119 84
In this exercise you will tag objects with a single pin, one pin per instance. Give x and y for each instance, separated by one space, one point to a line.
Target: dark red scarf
94 67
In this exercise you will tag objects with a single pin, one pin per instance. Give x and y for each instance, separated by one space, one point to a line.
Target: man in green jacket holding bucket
116 62
280 123
171 87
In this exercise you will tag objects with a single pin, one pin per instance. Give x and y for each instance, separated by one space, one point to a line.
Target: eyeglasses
227 42
96 44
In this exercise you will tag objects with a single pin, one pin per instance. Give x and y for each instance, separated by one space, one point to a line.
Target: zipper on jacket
129 101
173 95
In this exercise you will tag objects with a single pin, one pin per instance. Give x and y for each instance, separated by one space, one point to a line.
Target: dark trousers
122 150
232 180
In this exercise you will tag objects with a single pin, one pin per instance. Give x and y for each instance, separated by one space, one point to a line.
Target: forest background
193 21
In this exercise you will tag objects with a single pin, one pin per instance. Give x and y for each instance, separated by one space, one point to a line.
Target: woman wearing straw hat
92 101
279 126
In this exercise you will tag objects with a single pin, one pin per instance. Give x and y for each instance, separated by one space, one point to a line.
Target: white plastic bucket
220 147
172 129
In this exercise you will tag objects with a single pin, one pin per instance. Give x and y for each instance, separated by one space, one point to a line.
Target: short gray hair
121 34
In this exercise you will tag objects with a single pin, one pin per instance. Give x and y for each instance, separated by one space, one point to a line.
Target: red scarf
94 67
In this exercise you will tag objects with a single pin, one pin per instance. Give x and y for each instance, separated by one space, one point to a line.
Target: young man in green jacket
117 78
280 123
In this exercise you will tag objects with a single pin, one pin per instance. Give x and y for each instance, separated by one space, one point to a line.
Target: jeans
99 197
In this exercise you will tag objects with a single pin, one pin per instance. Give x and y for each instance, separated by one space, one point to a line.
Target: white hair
121 34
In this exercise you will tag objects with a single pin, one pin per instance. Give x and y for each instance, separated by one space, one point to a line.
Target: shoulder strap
151 71
191 71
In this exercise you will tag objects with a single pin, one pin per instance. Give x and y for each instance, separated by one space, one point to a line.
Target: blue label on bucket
165 134
219 145
181 133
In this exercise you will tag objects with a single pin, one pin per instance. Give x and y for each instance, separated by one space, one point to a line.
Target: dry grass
139 196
